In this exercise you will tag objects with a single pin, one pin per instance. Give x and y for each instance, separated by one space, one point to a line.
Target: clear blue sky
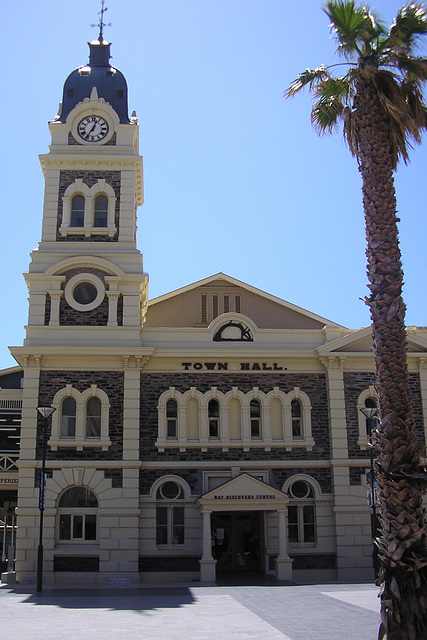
236 180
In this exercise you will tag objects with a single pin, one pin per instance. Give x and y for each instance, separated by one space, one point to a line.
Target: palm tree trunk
402 542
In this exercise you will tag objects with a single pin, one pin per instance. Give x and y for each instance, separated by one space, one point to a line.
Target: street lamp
45 412
371 414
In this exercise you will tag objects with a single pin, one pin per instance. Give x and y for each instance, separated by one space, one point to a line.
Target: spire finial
101 24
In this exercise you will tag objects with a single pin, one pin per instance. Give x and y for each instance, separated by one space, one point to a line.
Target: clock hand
93 127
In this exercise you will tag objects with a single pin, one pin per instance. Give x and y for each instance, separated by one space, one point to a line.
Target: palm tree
379 101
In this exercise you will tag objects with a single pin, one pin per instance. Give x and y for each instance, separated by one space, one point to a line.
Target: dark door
237 541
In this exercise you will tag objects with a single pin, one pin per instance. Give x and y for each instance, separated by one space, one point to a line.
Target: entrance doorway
238 541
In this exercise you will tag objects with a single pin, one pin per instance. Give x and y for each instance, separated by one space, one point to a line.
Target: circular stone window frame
80 278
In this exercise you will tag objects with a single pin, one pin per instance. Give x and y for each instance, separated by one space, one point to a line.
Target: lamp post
45 412
371 414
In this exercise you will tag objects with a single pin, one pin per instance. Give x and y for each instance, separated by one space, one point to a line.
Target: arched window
77 515
77 211
213 418
301 514
101 211
171 418
297 423
367 399
255 413
81 419
370 403
170 524
93 418
68 417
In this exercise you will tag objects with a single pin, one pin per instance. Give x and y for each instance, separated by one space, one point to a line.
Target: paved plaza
276 612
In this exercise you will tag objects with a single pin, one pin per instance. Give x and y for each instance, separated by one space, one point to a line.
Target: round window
301 489
170 491
85 292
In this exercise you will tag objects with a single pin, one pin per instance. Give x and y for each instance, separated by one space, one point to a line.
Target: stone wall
153 385
68 316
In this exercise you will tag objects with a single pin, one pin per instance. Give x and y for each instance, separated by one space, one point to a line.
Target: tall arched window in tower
93 418
171 418
213 418
255 412
101 211
68 417
77 211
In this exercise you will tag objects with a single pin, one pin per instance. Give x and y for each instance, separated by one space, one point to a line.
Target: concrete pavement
192 612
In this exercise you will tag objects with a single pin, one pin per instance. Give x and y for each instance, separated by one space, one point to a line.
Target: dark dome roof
110 83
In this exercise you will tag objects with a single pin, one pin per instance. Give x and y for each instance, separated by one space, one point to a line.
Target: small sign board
369 491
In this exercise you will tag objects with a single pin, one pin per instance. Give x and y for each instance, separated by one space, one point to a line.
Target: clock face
92 128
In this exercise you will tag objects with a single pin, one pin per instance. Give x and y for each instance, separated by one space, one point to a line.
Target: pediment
244 492
360 341
183 307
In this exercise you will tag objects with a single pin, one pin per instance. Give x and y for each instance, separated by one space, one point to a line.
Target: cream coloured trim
78 187
84 277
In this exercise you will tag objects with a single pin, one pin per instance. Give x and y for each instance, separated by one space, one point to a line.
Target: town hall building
213 431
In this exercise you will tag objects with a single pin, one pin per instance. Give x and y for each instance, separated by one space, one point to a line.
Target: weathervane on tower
101 24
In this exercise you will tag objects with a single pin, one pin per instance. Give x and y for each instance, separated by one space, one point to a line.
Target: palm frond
332 87
310 77
350 130
410 23
326 114
410 68
404 107
355 28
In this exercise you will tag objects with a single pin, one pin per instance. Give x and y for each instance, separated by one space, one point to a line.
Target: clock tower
83 352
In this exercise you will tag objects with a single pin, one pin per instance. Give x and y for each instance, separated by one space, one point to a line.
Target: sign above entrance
244 493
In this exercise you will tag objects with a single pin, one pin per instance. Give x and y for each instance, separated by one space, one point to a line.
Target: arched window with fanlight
68 417
77 516
170 515
101 211
77 211
301 513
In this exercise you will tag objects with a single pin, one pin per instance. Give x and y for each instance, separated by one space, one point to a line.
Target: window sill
91 547
183 445
79 444
88 231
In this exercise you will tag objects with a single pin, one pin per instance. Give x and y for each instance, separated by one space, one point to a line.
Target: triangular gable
360 341
280 313
244 493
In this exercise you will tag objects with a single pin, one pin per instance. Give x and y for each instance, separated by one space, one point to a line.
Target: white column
55 299
113 297
283 561
207 563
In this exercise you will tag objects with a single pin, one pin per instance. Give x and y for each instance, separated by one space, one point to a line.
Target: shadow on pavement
115 599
